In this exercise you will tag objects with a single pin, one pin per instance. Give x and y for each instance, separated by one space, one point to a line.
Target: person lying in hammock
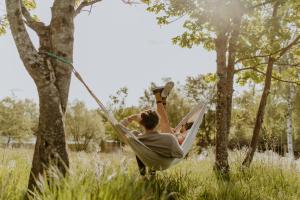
163 142
183 131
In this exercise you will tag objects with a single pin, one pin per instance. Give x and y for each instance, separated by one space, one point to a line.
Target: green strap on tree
62 59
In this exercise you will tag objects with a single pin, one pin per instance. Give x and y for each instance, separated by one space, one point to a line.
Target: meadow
115 176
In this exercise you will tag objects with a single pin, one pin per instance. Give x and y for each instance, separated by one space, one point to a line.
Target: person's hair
188 125
149 119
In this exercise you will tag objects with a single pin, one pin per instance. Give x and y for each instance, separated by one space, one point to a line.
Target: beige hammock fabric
146 155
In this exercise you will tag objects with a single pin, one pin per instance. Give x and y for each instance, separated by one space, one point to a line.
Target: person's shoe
142 171
157 90
167 89
164 91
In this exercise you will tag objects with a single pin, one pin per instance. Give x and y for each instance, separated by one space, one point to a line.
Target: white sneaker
167 89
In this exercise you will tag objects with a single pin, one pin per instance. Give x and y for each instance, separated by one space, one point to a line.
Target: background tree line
19 121
18 118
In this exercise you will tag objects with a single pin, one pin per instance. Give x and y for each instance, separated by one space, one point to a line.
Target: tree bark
52 79
50 148
221 162
231 65
260 113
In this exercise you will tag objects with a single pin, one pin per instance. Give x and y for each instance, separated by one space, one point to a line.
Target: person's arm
126 121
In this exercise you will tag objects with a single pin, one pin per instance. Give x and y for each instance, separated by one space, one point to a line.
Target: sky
116 45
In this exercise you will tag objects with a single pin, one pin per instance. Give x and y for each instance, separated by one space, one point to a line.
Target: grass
115 176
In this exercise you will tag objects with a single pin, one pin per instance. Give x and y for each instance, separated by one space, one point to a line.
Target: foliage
203 20
18 118
104 176
263 36
3 25
243 119
201 88
273 135
177 106
118 107
29 4
83 125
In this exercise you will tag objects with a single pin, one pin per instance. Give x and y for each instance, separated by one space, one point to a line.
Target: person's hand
173 130
136 117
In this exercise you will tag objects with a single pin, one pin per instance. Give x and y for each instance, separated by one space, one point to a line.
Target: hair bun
150 119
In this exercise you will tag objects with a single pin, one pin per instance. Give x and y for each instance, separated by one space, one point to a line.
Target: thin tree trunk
221 162
260 114
267 85
290 148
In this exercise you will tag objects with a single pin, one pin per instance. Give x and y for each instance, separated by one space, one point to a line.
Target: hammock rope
78 76
147 155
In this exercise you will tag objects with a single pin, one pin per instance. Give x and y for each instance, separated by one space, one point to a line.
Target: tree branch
288 47
178 18
289 64
253 57
249 68
130 2
84 4
261 4
26 49
30 21
281 51
263 73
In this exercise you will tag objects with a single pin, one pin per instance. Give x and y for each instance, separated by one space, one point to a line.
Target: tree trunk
263 101
289 119
50 148
51 77
231 64
260 114
221 162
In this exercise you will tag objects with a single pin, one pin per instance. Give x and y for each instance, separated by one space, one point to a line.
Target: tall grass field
115 176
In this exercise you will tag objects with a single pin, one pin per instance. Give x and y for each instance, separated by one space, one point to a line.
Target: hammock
156 161
145 154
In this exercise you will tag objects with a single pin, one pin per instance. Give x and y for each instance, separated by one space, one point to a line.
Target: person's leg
161 98
142 167
152 173
164 124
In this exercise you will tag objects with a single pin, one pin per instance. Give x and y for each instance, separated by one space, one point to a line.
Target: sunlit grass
115 176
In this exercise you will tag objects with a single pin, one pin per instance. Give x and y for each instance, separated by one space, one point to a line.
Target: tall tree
217 25
52 78
278 33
